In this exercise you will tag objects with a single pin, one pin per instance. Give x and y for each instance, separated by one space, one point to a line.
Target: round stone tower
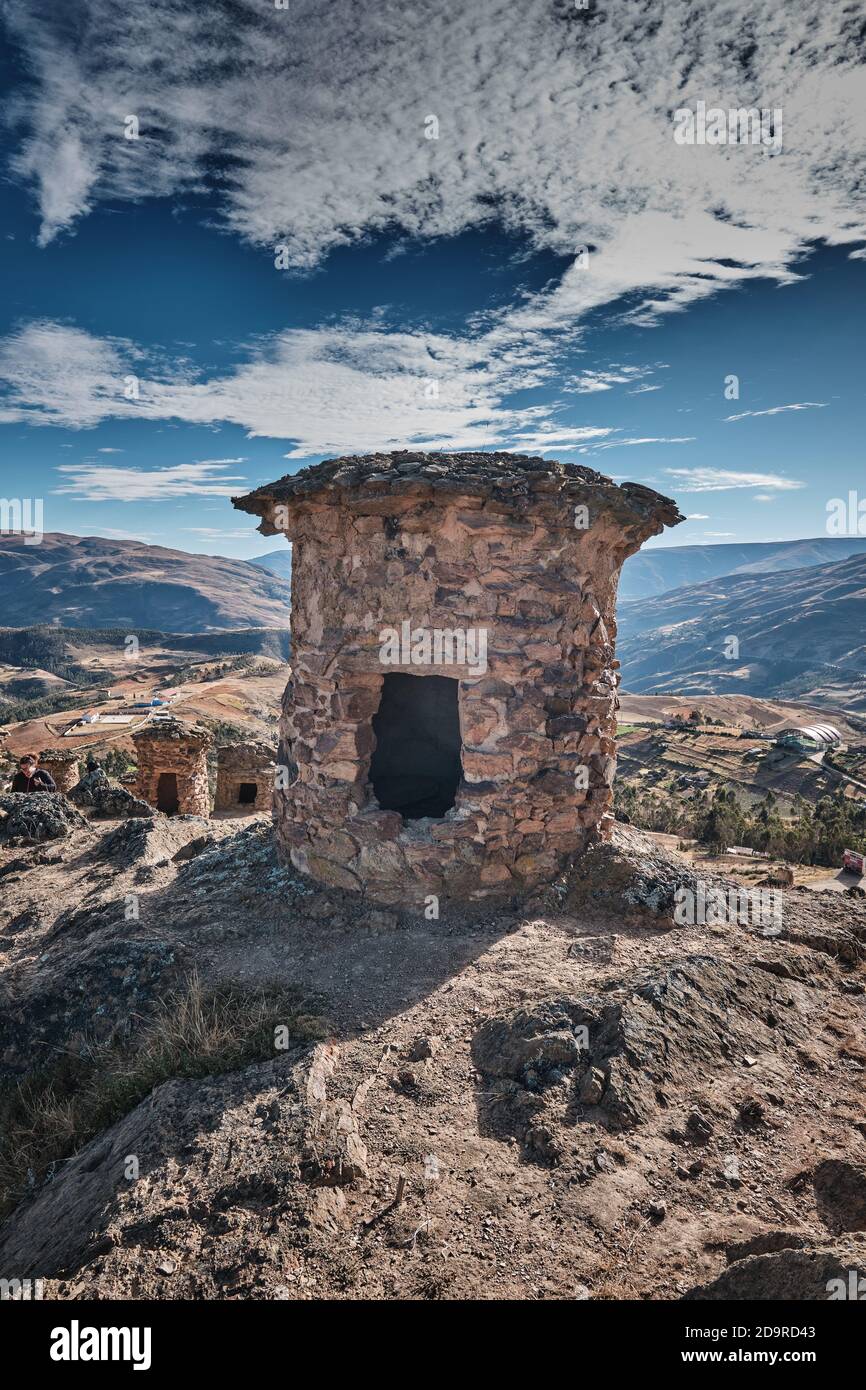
62 764
172 766
449 723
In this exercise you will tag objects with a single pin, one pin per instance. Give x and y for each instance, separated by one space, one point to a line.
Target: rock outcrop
101 797
502 1098
29 819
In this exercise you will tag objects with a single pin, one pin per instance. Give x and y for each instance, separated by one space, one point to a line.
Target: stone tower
449 723
172 766
245 777
62 764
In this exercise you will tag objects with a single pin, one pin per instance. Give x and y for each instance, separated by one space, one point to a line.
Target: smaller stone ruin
62 765
245 777
172 766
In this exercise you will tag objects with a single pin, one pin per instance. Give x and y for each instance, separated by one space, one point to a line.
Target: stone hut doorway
415 768
167 799
245 777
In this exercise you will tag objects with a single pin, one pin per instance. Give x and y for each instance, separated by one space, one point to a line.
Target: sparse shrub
116 762
197 1032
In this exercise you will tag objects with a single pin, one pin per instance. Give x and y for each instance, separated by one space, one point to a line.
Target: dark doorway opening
415 768
247 792
166 793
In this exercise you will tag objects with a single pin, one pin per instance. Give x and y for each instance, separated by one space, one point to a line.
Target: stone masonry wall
171 746
240 763
450 543
63 767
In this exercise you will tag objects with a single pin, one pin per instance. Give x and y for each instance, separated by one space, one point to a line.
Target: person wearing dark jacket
31 778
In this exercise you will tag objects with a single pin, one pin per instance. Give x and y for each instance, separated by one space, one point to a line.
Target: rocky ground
563 1097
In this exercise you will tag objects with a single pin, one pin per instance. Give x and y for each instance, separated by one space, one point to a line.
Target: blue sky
434 292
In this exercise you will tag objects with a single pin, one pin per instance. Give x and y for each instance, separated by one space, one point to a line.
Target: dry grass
50 1115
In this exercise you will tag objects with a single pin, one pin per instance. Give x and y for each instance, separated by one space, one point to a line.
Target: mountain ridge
798 633
658 570
94 581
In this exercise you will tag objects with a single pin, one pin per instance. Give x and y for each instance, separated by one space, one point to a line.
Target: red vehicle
853 861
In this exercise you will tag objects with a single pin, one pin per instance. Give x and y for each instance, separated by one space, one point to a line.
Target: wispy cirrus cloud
648 226
778 409
646 439
515 91
604 379
116 533
214 535
106 483
335 389
722 479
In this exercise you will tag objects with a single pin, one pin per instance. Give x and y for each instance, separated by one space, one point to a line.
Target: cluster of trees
116 762
18 711
246 661
809 835
225 732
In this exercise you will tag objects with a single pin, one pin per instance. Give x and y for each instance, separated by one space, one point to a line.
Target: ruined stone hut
62 764
245 777
172 766
449 723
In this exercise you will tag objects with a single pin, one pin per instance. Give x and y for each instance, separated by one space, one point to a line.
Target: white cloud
698 516
647 439
779 409
763 497
208 534
110 451
115 533
560 121
604 380
334 389
97 482
331 390
721 479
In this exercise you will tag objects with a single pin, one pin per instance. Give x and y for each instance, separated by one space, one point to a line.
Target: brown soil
447 1141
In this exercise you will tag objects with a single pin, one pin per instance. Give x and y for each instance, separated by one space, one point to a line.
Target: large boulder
104 798
30 819
816 1275
840 1194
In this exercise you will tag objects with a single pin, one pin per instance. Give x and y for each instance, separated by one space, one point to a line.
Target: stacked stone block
241 766
527 549
170 746
62 764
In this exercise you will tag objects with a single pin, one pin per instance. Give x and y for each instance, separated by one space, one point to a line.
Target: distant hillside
278 562
259 641
801 633
86 581
655 571
53 648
